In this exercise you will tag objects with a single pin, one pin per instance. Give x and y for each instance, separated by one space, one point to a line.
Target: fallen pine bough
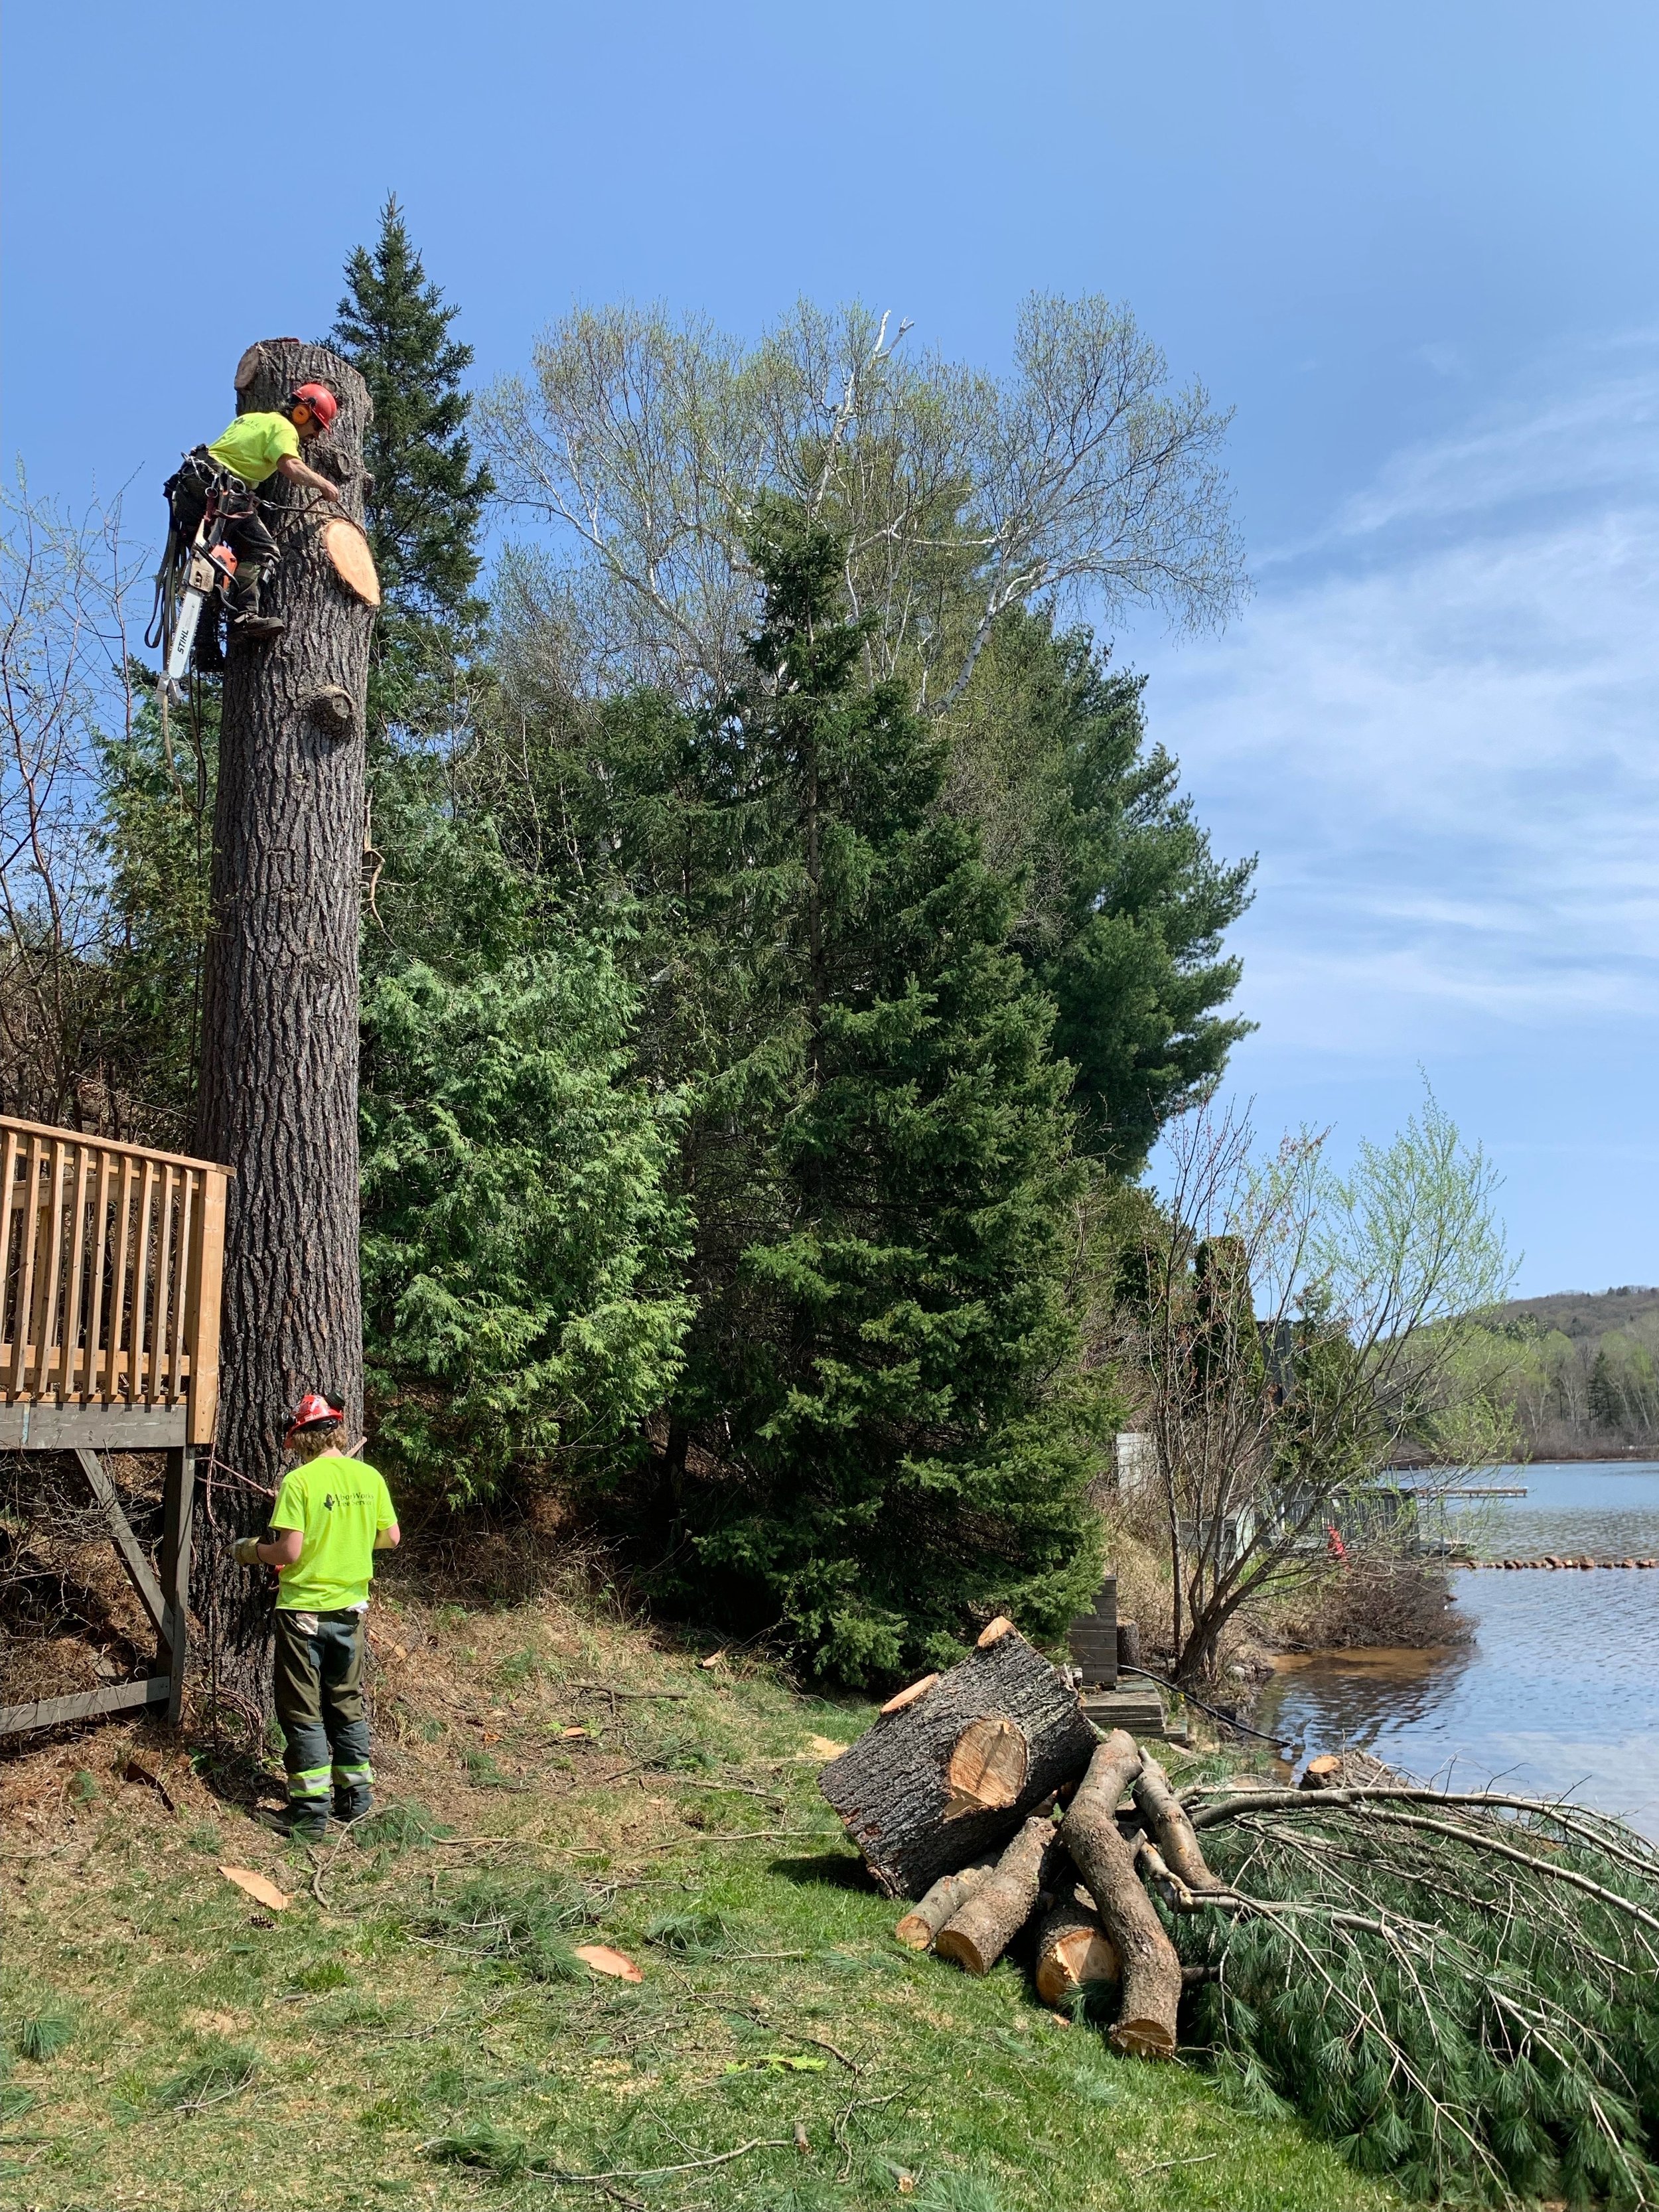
1460 1988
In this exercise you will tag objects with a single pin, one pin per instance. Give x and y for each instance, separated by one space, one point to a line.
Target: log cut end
1072 1948
988 1767
992 1632
347 547
1143 2038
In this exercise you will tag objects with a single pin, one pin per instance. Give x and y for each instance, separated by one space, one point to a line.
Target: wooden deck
111 1259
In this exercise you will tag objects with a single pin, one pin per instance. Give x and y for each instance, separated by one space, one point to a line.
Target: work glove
246 1553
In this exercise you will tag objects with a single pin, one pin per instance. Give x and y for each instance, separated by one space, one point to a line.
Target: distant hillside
1585 1313
1583 1371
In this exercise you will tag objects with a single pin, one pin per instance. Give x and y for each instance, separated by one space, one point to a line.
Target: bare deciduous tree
1286 1333
64 673
1082 475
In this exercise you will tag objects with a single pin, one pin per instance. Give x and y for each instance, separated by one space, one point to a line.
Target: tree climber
332 1514
255 446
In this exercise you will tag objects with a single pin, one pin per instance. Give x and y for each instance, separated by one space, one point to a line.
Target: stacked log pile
979 1759
1401 1963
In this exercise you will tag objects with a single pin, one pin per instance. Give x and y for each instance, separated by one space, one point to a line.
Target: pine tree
1124 905
872 1377
428 497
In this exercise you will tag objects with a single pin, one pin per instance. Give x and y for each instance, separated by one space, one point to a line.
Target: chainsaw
210 567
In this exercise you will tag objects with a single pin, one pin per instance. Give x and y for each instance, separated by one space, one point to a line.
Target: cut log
1146 2024
1170 1828
1072 1948
943 1902
946 1775
1323 1773
977 1936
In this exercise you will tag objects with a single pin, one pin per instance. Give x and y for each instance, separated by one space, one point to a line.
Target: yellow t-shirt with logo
254 445
339 1505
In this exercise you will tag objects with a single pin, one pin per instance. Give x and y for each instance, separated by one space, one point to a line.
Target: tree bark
278 1097
1072 1948
943 1902
953 1765
1146 2024
984 1928
1170 1828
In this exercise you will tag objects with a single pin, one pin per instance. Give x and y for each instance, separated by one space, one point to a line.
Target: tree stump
1146 2024
987 1924
952 1765
278 1097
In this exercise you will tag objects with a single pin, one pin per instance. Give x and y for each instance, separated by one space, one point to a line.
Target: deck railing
110 1263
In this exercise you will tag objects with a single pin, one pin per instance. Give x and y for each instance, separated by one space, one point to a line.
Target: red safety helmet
313 1411
317 396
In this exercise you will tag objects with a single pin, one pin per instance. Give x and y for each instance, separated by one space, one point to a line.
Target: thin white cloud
1439 727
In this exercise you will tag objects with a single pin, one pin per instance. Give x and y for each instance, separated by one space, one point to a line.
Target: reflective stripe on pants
320 1696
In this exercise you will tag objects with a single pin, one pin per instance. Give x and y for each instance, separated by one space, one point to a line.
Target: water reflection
1559 1690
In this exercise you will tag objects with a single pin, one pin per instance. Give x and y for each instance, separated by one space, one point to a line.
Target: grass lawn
413 2028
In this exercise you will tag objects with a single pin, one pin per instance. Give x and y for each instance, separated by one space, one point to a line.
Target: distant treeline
1582 1370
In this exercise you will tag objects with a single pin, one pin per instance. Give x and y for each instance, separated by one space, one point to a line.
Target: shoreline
1585 1455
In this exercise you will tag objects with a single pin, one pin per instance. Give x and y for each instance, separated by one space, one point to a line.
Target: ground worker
256 445
332 1514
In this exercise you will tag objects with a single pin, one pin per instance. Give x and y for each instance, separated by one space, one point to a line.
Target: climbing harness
193 569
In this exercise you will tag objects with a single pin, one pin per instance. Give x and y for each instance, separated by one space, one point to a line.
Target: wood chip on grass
255 1887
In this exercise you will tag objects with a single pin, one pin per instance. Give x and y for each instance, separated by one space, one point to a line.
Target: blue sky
1413 246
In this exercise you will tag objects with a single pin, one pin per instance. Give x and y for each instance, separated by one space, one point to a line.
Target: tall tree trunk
278 1098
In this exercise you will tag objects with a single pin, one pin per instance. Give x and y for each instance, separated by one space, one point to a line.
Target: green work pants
320 1702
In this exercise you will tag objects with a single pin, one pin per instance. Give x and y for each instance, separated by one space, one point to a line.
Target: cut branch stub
952 1766
332 709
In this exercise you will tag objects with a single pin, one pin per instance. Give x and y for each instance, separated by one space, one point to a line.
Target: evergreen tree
427 499
885 1452
521 1248
1124 903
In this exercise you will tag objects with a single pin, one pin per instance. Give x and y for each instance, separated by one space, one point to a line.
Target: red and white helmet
317 397
313 1411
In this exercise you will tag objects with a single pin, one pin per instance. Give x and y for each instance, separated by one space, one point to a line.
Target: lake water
1559 1690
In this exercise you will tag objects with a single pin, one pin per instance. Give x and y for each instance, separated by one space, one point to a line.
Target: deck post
179 1514
109 1342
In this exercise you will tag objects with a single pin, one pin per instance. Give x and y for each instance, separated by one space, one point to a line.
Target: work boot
257 626
354 1803
245 619
301 1824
